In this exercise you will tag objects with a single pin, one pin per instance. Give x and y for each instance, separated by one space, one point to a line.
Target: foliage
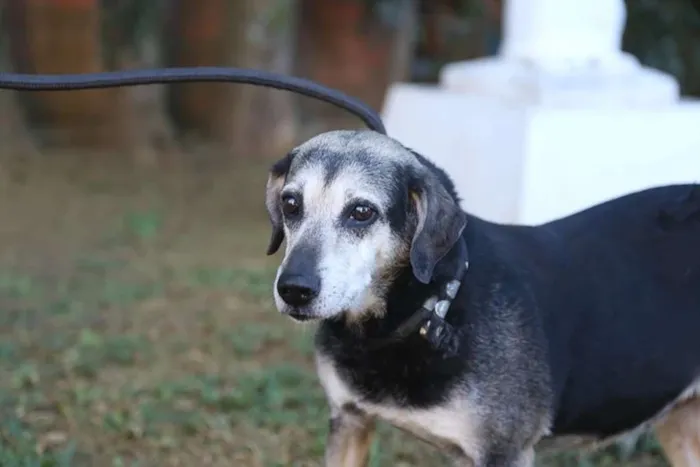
126 23
665 34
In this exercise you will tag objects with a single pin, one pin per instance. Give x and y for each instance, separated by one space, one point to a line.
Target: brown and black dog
487 340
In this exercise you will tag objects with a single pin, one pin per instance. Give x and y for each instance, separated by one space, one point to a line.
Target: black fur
441 226
593 317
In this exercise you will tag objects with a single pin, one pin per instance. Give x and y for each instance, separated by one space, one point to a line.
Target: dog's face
355 208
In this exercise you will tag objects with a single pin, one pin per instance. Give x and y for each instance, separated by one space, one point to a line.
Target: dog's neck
422 312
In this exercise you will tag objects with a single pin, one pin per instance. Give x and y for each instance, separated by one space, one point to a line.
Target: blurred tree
132 39
357 46
454 30
63 36
14 133
665 34
246 34
493 15
263 119
199 33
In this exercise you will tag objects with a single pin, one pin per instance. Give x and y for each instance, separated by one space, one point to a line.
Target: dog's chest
407 374
440 425
449 424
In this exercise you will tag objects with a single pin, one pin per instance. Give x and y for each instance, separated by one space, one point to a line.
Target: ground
137 327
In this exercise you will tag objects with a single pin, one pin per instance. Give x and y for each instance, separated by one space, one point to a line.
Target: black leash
112 79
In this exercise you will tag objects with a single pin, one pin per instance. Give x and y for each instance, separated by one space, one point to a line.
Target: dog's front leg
349 438
679 434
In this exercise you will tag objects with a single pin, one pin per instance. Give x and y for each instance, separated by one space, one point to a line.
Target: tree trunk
247 120
63 36
345 45
197 33
263 122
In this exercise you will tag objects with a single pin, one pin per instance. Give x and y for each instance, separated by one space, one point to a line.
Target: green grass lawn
137 329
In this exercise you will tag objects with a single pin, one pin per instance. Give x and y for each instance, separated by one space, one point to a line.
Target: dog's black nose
298 290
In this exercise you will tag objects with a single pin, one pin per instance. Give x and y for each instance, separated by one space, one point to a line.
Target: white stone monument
559 120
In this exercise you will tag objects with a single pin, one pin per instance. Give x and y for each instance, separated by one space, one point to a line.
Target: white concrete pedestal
626 83
559 121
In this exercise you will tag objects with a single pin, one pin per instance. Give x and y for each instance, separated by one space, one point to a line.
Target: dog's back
620 301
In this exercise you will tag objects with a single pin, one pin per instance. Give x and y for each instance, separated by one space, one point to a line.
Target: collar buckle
438 332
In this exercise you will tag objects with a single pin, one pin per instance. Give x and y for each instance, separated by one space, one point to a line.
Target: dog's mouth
300 316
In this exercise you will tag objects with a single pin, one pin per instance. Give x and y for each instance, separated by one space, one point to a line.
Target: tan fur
272 191
456 424
679 434
421 208
349 441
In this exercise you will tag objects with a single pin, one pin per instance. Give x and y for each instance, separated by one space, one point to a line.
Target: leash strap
112 79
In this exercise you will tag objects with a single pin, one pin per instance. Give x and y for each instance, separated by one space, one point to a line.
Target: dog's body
586 326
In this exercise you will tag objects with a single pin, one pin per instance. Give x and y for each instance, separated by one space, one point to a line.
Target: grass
137 329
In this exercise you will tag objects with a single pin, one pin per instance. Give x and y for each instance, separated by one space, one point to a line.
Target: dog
487 340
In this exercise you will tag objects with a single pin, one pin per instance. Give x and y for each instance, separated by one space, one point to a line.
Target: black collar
430 319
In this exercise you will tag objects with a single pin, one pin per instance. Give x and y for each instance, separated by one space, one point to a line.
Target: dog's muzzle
299 282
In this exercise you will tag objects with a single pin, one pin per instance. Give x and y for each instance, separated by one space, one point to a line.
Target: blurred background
136 321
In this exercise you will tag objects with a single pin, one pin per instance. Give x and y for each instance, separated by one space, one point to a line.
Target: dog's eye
362 213
290 206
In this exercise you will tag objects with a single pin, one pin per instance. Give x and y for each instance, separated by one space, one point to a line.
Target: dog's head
356 208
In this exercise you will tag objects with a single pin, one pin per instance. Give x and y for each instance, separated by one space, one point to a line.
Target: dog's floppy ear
275 181
440 224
